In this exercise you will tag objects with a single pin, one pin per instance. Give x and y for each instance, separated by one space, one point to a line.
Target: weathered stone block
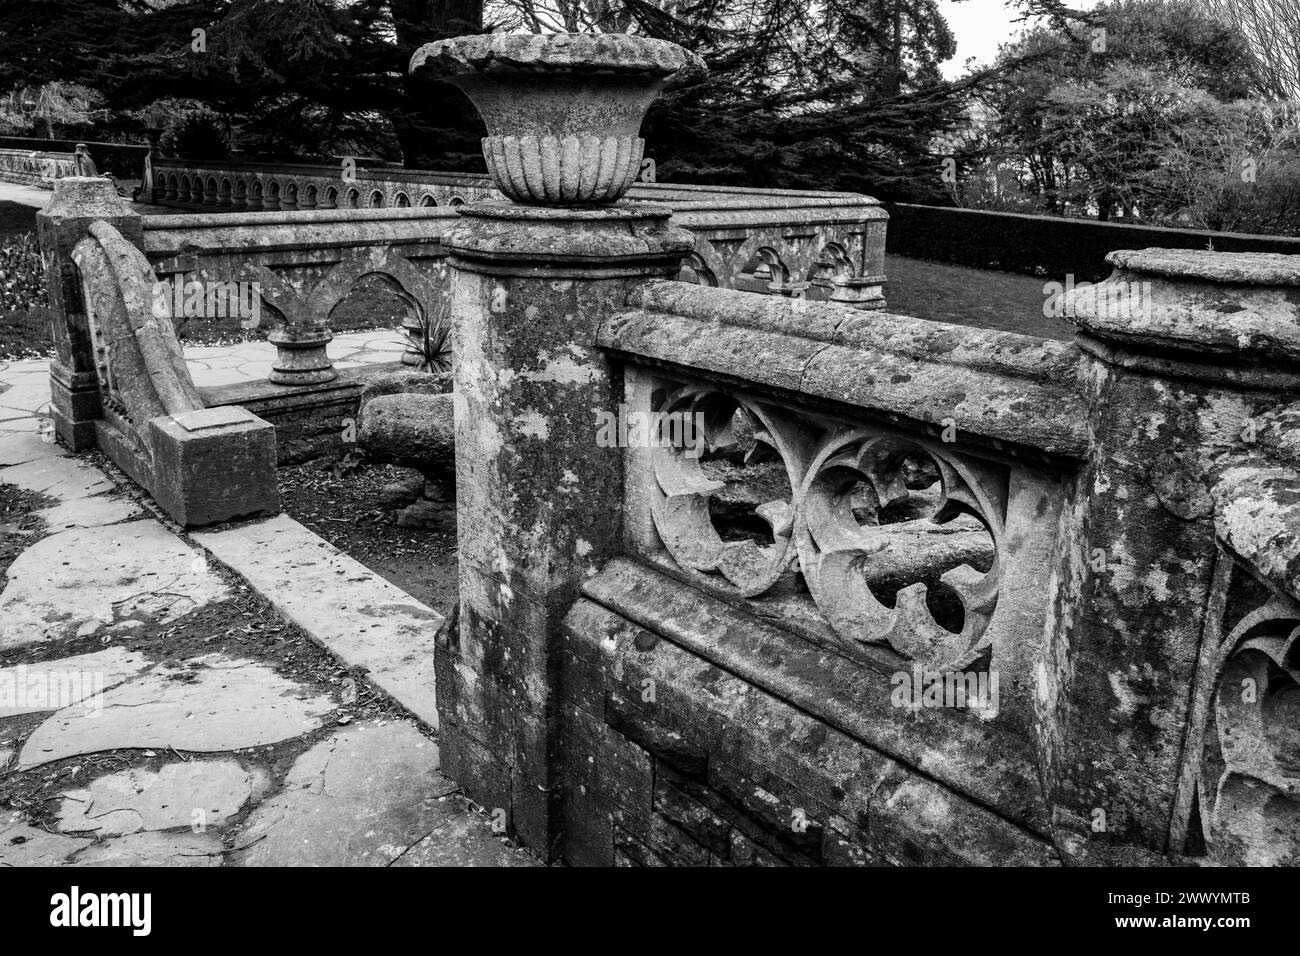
212 464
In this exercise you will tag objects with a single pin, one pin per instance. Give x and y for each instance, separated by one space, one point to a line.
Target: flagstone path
246 696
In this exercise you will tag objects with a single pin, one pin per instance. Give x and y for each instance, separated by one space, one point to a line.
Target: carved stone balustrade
36 167
718 551
119 381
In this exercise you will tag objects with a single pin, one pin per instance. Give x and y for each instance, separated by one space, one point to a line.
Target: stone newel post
1181 349
539 503
74 383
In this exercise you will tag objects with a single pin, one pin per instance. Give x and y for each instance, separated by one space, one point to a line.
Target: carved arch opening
763 271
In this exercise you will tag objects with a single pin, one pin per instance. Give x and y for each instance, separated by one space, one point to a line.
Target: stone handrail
995 386
119 380
417 187
1150 465
302 264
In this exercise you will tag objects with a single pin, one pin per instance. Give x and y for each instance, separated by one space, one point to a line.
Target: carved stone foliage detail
1240 802
895 536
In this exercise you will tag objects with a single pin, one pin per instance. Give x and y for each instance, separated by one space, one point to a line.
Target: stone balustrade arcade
35 167
823 245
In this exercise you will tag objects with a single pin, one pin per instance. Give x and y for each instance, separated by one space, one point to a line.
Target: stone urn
563 111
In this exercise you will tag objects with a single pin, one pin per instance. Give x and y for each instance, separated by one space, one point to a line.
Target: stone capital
1222 318
627 239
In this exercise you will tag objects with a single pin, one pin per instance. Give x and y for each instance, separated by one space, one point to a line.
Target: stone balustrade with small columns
36 167
735 648
796 243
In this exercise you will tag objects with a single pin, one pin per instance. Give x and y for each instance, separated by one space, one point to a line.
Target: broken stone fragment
408 418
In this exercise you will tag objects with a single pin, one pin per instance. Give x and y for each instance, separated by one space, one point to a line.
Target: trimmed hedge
1049 246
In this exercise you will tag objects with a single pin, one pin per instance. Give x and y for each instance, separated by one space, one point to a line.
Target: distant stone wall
121 159
1048 246
33 168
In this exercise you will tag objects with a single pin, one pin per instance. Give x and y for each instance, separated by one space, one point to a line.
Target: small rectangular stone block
221 470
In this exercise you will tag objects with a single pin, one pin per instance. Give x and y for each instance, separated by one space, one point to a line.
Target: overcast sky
980 26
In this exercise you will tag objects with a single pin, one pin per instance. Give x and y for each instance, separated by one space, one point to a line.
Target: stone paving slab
24 845
354 613
28 397
90 513
83 581
202 793
35 426
65 478
361 797
57 684
20 449
216 365
465 840
206 705
367 795
153 849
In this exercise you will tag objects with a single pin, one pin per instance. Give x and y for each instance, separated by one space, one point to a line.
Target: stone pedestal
1181 348
865 292
539 502
74 385
414 354
300 356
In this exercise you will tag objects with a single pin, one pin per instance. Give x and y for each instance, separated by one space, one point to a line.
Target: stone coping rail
187 233
998 385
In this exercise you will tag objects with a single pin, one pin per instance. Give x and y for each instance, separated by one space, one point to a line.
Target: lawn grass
977 297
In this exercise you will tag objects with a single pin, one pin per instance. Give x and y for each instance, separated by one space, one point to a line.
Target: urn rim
529 54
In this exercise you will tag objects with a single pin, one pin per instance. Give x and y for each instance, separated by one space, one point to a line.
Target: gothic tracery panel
894 536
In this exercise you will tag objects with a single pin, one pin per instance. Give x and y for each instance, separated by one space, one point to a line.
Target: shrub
22 275
199 136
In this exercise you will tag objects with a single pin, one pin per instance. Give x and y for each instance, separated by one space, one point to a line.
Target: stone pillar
150 191
1180 349
539 503
74 383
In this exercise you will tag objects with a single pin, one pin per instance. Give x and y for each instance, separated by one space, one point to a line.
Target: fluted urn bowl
563 111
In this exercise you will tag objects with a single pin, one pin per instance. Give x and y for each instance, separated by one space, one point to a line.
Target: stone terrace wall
35 168
1049 246
123 160
1103 529
822 245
